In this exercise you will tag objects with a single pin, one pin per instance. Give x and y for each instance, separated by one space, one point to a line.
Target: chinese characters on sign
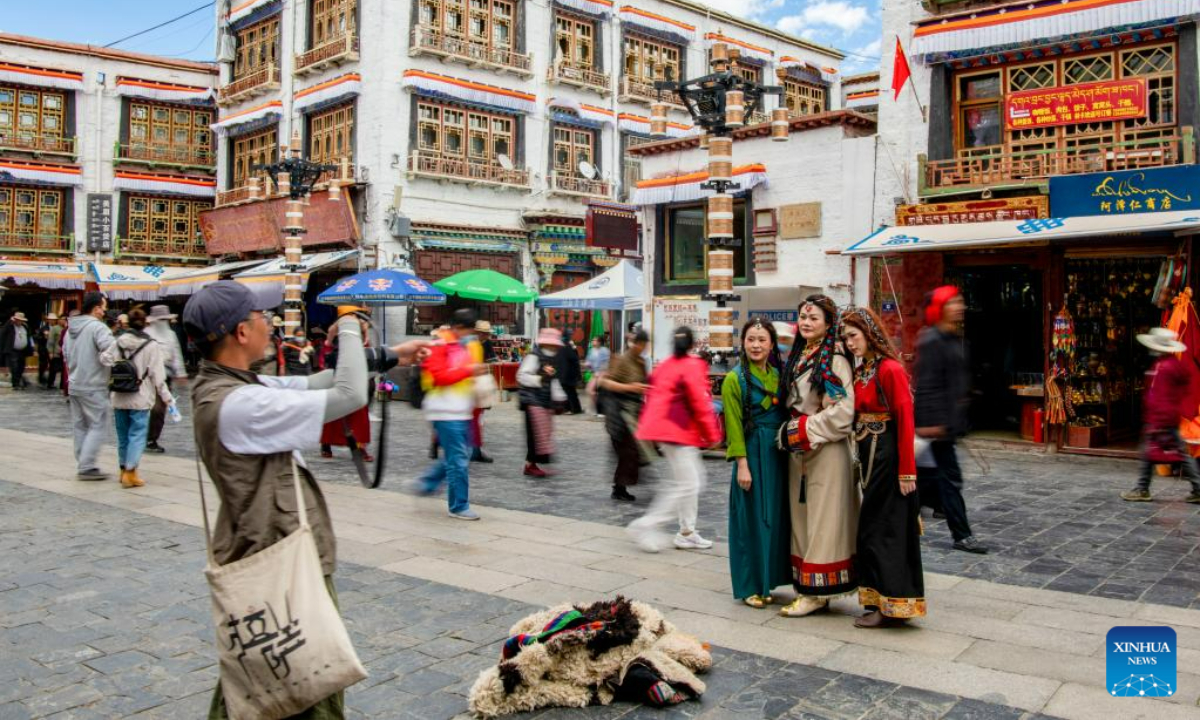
1069 105
951 213
1126 192
99 222
273 640
802 220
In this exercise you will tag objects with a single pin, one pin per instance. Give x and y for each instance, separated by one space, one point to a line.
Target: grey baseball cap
214 311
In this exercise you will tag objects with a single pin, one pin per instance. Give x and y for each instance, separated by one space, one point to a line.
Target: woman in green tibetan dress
759 529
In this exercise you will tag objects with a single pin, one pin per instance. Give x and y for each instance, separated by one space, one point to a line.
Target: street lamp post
719 104
295 177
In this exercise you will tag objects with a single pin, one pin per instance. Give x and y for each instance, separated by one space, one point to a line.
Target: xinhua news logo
1141 661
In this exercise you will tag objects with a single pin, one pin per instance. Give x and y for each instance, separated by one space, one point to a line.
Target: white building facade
489 125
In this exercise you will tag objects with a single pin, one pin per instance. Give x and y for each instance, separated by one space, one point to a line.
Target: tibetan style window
257 48
170 126
163 226
30 114
259 148
687 253
803 98
332 20
573 146
575 40
642 54
457 132
485 22
30 212
331 135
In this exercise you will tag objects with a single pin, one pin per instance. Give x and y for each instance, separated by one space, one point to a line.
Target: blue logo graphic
1030 227
1141 661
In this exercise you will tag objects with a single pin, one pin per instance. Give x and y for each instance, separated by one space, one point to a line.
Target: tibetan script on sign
952 213
802 220
1069 105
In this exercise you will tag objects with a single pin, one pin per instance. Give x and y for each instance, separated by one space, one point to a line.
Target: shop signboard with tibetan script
259 226
1075 104
951 213
1126 192
99 222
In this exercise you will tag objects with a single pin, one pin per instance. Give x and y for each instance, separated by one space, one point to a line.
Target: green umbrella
486 285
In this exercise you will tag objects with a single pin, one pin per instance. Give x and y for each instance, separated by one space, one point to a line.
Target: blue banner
1126 192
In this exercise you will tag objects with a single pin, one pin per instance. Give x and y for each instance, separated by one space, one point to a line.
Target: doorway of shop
1003 330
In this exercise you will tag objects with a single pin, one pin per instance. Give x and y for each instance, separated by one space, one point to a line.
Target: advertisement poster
1070 105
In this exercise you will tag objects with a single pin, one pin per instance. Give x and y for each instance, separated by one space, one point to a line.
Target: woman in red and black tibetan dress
888 558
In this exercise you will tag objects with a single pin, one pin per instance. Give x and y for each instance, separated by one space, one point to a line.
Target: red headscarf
937 302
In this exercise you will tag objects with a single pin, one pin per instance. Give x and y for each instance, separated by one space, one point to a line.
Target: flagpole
913 86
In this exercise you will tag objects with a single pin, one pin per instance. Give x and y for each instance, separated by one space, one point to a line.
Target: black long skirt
888 558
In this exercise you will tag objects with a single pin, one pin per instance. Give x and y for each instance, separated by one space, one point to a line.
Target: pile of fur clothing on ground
576 655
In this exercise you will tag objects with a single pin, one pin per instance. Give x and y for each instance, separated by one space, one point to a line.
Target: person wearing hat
250 428
1168 384
483 332
785 333
537 374
88 337
158 327
16 345
54 333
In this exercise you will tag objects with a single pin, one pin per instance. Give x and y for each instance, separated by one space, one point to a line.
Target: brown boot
130 479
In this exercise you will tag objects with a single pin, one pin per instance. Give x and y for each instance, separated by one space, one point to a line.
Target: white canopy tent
621 287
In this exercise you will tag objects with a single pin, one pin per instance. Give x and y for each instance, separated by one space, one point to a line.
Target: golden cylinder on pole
720 330
252 187
734 55
720 272
779 125
735 108
720 218
703 140
781 73
658 120
720 53
294 215
720 158
284 184
335 190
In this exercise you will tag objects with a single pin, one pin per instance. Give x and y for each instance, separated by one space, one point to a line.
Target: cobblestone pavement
1052 522
104 613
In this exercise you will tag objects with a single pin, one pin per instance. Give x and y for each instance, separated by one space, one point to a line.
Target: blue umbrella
382 287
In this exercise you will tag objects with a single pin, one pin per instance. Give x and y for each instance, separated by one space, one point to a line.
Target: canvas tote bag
281 643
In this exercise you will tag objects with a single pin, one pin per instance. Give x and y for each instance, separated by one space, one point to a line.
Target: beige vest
258 502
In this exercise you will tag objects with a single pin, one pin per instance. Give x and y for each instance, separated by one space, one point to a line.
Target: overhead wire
162 24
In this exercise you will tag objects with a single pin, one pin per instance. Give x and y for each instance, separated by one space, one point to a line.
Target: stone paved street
1052 522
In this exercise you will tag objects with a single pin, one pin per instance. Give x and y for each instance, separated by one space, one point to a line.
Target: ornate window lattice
332 20
642 54
486 22
163 226
458 132
173 126
331 135
576 40
29 112
260 148
571 147
802 98
257 48
28 212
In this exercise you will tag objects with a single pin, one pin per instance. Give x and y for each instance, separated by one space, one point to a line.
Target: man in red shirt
1168 381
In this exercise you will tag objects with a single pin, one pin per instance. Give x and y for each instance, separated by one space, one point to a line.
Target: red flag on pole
900 71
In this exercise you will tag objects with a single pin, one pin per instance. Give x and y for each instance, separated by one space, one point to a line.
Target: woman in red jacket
679 416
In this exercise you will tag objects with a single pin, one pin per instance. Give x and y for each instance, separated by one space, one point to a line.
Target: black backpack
124 377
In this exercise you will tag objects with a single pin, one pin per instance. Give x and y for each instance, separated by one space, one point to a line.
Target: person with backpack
138 377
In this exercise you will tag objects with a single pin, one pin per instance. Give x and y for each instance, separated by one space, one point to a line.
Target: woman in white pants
679 416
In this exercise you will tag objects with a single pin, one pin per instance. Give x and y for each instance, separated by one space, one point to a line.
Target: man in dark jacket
941 404
570 374
16 344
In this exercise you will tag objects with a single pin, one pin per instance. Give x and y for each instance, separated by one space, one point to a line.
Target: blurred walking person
679 416
759 531
54 336
133 398
537 376
16 344
623 389
86 338
158 326
297 354
597 361
570 374
891 585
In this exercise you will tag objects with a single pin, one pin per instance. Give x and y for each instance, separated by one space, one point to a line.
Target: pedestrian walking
86 338
54 338
159 327
891 585
570 375
40 339
1168 385
321 348
448 376
538 376
941 404
623 389
679 416
138 379
297 354
817 392
597 361
483 333
250 428
16 344
759 530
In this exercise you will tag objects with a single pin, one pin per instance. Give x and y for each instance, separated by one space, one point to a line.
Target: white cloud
840 14
749 9
871 49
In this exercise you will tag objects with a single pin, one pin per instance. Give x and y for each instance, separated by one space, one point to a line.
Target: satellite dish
587 169
505 161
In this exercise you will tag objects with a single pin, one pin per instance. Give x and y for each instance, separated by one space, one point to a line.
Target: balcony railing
266 191
457 169
334 52
634 90
580 76
180 156
580 186
431 41
34 243
37 144
1036 166
259 82
236 196
180 249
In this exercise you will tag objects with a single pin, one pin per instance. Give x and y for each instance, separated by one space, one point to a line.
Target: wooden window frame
260 147
641 47
42 113
176 210
474 123
578 141
571 33
797 92
436 14
325 128
197 126
9 210
739 252
331 20
257 47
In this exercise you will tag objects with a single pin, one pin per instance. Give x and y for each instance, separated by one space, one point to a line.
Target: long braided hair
773 360
865 319
824 381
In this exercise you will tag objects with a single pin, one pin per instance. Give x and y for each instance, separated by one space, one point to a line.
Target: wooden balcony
34 244
188 157
434 42
335 52
636 90
266 191
579 76
457 169
36 144
576 186
259 82
175 249
236 196
999 170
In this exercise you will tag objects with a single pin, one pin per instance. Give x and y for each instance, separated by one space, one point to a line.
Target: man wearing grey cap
249 428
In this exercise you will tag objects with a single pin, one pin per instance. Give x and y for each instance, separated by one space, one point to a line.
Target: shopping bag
281 643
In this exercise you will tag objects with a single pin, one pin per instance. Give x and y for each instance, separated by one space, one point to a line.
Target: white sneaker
692 542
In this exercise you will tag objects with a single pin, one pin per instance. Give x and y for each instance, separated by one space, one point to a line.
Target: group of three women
823 492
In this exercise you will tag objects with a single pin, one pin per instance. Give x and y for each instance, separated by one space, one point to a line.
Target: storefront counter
505 374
